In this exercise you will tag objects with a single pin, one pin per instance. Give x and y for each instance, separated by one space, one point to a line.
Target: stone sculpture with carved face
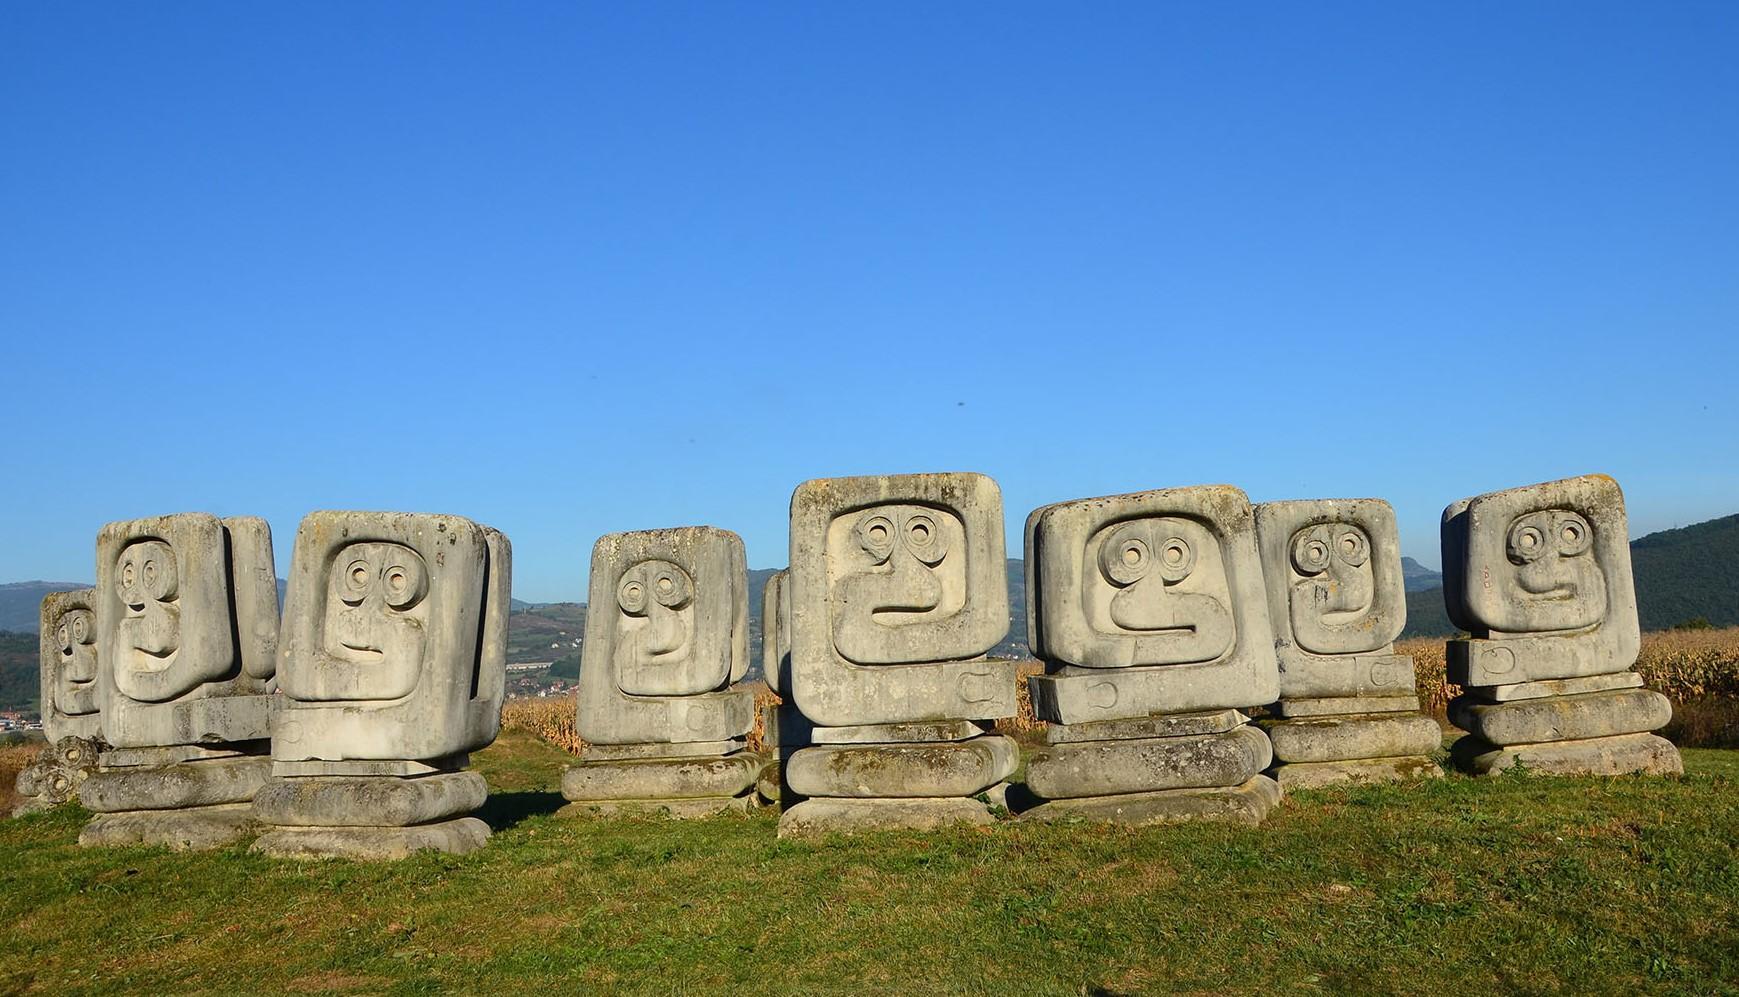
68 645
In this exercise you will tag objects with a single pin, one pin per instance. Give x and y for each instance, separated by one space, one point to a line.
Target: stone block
1623 754
1161 593
1359 771
55 774
396 768
115 758
1343 738
191 829
1555 687
1562 718
369 844
678 749
1247 803
369 801
395 638
1345 705
898 589
1155 725
663 779
924 730
172 787
776 631
816 817
942 768
68 665
1106 768
678 809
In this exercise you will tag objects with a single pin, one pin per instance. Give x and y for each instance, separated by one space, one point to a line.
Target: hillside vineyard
186 711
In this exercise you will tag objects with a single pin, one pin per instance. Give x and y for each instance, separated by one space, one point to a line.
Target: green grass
1522 883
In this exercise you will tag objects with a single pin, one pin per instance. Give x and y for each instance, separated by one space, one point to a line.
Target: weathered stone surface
68 666
397 768
1127 585
776 631
942 768
1247 803
1555 687
369 801
1156 725
1316 775
847 816
688 749
1621 755
191 829
55 774
1106 768
922 731
395 638
1343 738
455 837
662 779
1346 705
1539 576
898 589
683 809
1562 718
114 758
169 787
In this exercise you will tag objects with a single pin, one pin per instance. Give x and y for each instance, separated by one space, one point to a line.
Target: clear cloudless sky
571 269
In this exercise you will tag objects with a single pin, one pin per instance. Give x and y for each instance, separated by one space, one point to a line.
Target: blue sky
573 269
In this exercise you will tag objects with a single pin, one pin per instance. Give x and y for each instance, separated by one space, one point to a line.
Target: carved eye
63 638
1352 547
1311 551
1574 534
1176 559
672 587
156 571
924 538
631 594
1125 557
1526 542
404 583
127 580
80 628
875 533
357 579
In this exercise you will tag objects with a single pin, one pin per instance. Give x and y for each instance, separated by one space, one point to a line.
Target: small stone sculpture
1336 602
70 717
1539 576
392 669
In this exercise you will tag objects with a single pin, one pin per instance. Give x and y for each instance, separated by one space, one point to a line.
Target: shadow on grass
503 810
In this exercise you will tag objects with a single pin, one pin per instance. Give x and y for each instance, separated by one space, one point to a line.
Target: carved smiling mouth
361 652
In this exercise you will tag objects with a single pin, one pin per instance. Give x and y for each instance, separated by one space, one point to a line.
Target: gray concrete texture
1347 738
943 768
822 816
1562 718
67 644
1624 754
1106 768
1247 803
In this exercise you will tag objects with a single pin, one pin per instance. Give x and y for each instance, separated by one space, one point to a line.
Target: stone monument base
185 797
1605 732
1161 768
1312 750
689 780
55 775
354 810
905 776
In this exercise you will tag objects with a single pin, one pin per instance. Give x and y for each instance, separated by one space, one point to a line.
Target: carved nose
157 631
666 632
354 628
1144 606
1347 590
911 588
1546 575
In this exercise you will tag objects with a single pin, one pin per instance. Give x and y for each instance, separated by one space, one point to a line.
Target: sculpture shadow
503 810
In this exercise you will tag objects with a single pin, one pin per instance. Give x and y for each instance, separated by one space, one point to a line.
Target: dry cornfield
552 718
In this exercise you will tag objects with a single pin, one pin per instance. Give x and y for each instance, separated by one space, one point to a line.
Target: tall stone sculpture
1539 576
392 669
1149 613
660 708
898 590
187 625
70 709
1336 602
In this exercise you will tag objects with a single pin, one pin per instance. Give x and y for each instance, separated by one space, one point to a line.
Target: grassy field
1520 884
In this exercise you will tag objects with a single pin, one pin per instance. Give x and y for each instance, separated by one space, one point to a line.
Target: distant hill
21 603
1416 577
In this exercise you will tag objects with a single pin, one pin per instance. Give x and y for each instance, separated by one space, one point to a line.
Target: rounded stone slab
194 829
1107 768
924 730
876 771
663 778
823 816
688 809
1562 718
1341 706
454 837
1362 771
1340 739
1247 803
172 787
690 749
1555 687
1157 725
1624 754
368 801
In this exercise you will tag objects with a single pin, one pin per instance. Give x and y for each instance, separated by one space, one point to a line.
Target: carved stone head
1333 569
394 637
68 643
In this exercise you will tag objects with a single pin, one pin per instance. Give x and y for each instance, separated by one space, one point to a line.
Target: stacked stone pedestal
695 779
183 797
370 810
1327 742
1155 769
56 774
1598 725
910 776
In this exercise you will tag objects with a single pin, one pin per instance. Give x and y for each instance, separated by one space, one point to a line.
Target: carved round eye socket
1176 559
875 533
1310 551
404 582
1125 558
1352 547
672 587
63 638
81 628
357 579
158 572
631 595
924 538
1526 543
1574 535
